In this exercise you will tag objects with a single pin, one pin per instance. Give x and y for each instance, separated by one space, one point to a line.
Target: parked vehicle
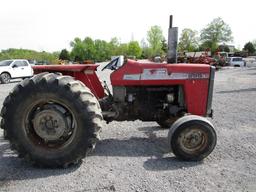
15 68
236 61
250 61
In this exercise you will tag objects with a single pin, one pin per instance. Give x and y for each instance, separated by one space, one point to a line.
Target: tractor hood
136 73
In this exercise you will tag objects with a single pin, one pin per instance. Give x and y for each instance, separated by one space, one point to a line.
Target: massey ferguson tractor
54 118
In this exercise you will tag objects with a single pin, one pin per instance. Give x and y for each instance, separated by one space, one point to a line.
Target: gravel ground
133 156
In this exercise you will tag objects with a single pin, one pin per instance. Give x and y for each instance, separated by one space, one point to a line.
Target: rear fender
84 73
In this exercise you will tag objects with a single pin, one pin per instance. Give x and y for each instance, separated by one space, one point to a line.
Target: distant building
231 48
198 53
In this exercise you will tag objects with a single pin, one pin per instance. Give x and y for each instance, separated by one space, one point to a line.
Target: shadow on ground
14 168
151 146
156 148
11 82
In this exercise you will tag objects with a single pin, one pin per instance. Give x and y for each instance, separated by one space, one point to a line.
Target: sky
50 25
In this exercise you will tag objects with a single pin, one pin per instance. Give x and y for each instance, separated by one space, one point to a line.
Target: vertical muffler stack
172 43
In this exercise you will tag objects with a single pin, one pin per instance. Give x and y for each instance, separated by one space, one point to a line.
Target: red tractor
54 118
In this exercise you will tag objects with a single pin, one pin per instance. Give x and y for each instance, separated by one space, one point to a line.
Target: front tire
192 138
52 121
5 78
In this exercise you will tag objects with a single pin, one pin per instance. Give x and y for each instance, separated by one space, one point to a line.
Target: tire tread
88 103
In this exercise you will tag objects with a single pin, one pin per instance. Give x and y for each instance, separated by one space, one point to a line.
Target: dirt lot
133 156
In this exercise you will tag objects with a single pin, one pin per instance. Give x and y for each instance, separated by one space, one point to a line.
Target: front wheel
5 78
52 121
192 138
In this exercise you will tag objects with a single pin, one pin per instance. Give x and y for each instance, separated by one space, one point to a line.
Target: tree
155 37
78 50
145 49
134 49
113 46
64 54
164 46
216 32
254 43
224 48
188 40
89 48
102 52
83 50
249 47
123 49
207 45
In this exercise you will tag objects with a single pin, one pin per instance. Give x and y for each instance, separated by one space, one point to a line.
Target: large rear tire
192 138
52 121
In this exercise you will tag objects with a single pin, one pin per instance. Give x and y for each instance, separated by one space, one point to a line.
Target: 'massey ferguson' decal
162 74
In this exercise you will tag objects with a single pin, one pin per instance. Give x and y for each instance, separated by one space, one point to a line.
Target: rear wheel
192 138
5 78
53 121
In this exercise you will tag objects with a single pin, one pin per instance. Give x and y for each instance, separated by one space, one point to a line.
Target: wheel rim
5 77
50 124
193 140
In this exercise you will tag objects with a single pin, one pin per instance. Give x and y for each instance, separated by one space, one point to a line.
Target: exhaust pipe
172 43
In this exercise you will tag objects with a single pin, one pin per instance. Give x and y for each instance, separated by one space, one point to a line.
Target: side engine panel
147 103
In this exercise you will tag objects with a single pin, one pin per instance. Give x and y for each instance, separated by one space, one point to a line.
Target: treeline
214 37
97 50
30 55
101 50
216 34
